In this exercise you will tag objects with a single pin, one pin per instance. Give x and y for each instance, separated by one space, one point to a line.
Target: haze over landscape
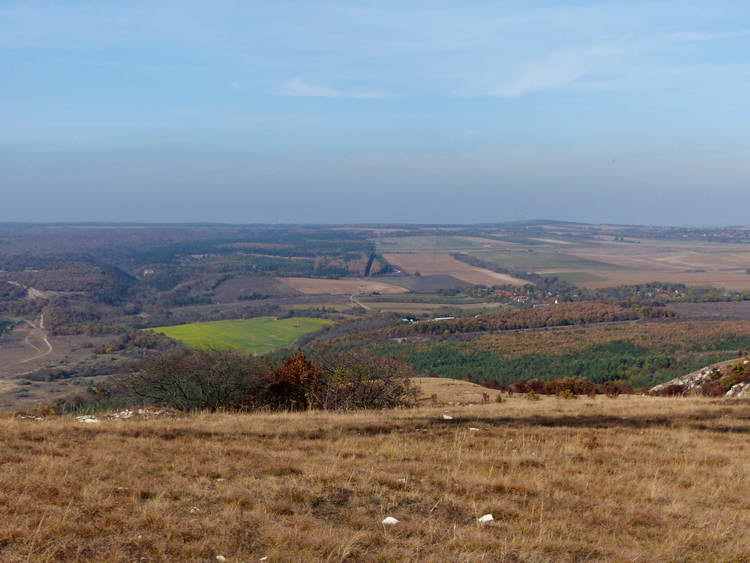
358 280
340 112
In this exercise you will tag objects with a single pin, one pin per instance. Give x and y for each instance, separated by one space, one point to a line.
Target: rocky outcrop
729 379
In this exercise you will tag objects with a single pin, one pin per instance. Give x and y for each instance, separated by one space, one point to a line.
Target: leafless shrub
200 380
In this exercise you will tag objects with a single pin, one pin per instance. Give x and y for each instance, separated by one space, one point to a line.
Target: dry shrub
291 383
223 379
206 379
358 379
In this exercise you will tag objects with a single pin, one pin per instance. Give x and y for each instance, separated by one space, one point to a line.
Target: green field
256 336
540 260
425 244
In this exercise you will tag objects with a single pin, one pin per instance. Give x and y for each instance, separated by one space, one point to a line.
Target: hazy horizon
628 112
373 224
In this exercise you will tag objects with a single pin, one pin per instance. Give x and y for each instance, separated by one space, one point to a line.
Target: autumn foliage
564 314
222 379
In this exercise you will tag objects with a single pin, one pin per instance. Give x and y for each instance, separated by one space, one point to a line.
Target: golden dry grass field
429 264
627 479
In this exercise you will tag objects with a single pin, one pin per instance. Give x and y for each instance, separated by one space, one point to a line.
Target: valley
76 298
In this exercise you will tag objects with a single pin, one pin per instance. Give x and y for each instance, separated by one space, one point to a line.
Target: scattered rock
30 417
194 510
472 429
447 417
221 558
88 419
486 518
739 390
390 521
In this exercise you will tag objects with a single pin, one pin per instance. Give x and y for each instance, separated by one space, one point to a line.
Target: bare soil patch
312 286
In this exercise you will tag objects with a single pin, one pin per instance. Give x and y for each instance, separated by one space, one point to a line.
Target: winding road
39 331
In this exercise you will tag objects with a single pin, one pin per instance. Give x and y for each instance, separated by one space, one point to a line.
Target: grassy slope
632 479
256 335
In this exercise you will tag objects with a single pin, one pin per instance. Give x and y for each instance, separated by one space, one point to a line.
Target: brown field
736 280
429 264
342 287
721 265
630 479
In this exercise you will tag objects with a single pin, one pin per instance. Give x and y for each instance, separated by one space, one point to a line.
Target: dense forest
617 360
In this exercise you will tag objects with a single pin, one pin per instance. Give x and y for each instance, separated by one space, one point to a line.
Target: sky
382 111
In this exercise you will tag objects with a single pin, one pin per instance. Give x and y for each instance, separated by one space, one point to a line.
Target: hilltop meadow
626 479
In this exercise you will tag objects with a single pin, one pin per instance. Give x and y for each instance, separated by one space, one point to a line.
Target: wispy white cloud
554 71
301 88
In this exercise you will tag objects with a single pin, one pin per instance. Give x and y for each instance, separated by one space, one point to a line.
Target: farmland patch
445 264
256 336
316 286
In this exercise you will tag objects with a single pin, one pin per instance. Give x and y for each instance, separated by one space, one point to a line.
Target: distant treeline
564 314
310 244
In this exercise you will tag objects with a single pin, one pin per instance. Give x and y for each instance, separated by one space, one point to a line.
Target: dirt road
38 340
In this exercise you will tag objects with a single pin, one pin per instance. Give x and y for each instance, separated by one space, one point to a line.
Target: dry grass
446 390
430 264
632 479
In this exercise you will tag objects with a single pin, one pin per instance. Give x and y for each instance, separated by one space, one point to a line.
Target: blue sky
383 111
